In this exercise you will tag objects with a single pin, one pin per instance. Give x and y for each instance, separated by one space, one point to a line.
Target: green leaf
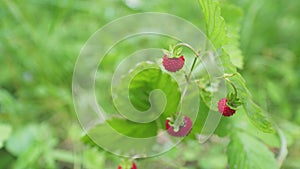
227 36
223 34
119 135
132 129
148 80
256 114
233 16
242 122
145 97
245 152
223 28
5 131
215 23
152 94
7 159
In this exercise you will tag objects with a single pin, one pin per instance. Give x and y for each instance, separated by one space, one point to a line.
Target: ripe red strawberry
133 166
224 108
183 130
168 124
173 64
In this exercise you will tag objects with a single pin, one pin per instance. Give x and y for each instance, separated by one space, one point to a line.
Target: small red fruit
133 166
224 108
183 130
173 64
168 124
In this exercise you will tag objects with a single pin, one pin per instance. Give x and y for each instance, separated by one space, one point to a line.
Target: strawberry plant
151 100
195 84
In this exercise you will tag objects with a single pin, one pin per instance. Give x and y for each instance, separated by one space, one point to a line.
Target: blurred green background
41 39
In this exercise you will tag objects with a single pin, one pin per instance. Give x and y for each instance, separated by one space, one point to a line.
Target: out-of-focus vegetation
40 41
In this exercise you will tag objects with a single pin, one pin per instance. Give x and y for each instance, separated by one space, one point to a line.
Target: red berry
183 130
173 64
168 124
224 109
133 166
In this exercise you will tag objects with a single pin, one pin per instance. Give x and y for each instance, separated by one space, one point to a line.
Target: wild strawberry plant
137 91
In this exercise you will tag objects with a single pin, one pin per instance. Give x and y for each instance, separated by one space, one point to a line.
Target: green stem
283 148
187 46
233 86
180 116
192 68
197 54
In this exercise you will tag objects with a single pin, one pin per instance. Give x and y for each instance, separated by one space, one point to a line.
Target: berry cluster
180 125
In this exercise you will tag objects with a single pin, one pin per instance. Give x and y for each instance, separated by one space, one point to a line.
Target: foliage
257 42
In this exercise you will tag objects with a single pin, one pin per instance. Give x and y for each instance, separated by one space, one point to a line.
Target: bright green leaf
258 116
223 28
132 129
148 80
215 23
242 122
152 94
233 16
114 136
246 152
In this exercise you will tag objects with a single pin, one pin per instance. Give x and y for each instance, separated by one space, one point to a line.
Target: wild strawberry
133 166
173 64
168 124
224 108
183 130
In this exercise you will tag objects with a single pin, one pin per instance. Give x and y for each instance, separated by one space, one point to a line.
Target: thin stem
187 46
192 68
180 117
233 86
283 148
197 54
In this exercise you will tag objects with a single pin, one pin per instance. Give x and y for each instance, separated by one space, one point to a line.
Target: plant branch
283 148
